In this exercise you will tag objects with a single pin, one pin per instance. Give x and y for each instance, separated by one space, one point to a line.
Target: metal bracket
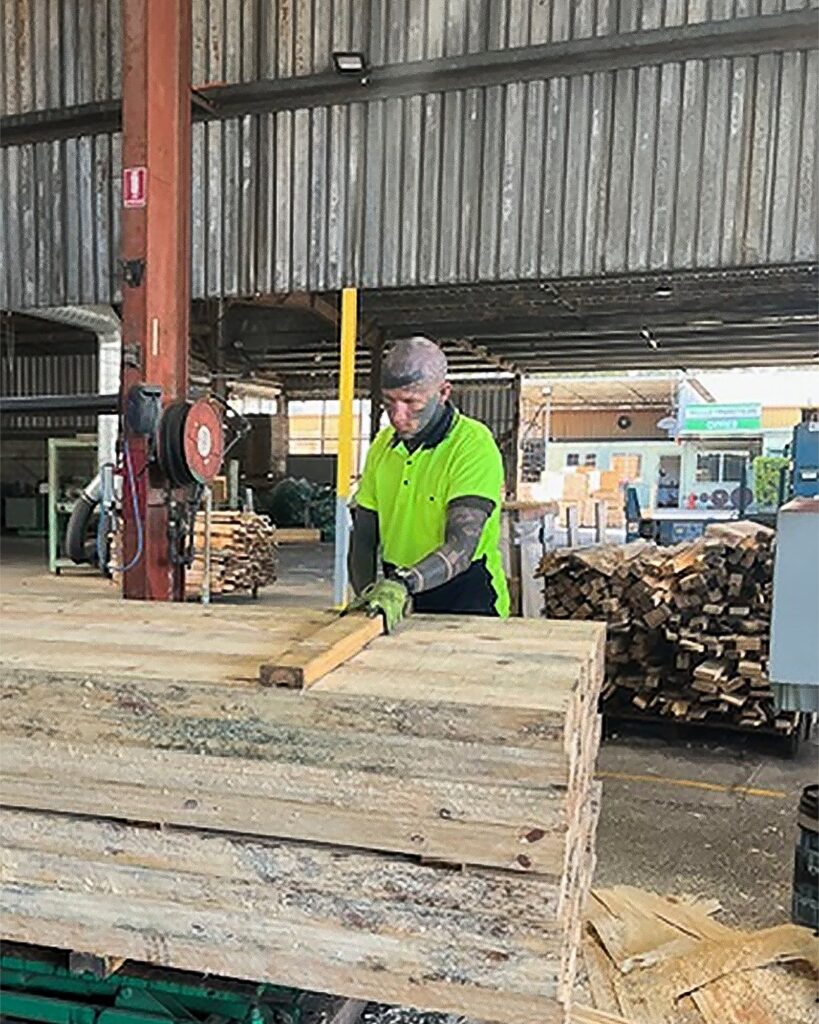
132 272
132 354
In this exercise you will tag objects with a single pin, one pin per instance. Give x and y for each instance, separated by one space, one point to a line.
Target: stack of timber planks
243 554
415 828
688 626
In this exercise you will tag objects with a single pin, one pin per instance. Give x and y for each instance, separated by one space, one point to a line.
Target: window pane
708 467
732 468
590 459
572 459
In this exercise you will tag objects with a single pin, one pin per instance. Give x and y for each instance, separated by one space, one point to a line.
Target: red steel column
156 136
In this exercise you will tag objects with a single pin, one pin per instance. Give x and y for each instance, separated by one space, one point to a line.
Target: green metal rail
42 989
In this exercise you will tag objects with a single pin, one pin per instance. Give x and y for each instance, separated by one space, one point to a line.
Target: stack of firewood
242 554
689 625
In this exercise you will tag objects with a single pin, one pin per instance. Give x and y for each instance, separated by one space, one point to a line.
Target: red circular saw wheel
203 441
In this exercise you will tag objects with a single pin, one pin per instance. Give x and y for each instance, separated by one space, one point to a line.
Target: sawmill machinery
800 478
185 446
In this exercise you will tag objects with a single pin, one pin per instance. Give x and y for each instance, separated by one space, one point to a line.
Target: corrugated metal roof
701 164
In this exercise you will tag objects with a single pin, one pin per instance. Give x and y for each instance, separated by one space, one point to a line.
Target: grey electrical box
794 663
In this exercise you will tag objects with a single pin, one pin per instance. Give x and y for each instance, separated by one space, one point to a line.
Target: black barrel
805 902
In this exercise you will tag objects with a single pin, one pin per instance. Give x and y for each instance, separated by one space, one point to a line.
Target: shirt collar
438 432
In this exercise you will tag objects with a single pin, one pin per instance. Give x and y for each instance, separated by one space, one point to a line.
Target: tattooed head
414 386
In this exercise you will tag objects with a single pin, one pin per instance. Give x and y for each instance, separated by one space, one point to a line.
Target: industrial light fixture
352 63
662 293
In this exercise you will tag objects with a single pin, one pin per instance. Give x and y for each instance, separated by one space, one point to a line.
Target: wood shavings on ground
654 959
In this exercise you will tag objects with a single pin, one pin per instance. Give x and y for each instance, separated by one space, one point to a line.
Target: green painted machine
38 986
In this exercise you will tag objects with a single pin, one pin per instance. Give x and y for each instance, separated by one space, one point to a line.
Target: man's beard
427 416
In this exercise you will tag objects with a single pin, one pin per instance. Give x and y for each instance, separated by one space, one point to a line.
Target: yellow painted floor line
714 787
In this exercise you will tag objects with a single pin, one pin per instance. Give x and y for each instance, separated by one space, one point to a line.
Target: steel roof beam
499 327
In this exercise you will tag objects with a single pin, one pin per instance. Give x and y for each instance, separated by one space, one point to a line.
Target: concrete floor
712 817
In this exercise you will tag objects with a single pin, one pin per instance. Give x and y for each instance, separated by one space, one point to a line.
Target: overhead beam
492 358
670 360
540 324
729 344
737 37
59 403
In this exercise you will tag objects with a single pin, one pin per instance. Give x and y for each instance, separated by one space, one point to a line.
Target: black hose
80 550
76 530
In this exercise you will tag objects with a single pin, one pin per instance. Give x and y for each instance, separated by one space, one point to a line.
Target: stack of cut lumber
242 554
688 626
316 837
663 959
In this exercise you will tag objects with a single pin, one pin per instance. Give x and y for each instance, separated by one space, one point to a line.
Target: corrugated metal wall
61 52
494 405
701 164
53 374
57 53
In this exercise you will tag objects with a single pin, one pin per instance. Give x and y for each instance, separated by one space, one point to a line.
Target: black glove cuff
406 577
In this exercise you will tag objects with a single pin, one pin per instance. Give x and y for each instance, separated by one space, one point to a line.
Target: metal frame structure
155 251
55 508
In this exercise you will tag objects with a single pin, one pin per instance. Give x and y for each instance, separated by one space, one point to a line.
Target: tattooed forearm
465 520
362 560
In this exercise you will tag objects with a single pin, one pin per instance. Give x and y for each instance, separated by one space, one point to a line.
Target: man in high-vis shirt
430 498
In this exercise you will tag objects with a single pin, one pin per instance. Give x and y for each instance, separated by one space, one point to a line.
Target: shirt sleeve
476 470
365 496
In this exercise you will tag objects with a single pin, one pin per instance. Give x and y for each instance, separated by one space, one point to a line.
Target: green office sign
711 418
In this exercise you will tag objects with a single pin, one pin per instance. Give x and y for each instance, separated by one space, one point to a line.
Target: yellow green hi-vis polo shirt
410 491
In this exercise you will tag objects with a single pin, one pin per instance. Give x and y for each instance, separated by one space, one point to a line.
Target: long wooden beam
310 659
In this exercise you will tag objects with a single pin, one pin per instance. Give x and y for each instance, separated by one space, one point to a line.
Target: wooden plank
315 656
497 825
600 973
123 703
362 925
640 929
297 535
277 726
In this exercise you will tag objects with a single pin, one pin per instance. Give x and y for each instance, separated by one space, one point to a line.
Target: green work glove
388 598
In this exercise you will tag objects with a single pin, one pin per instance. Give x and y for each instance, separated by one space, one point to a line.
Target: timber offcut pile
666 960
243 554
416 827
688 626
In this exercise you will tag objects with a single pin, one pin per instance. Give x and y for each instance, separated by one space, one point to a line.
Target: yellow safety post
344 459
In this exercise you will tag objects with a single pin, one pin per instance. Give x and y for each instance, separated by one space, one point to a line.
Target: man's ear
446 391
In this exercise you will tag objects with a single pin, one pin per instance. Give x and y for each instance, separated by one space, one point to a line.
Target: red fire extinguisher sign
134 187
